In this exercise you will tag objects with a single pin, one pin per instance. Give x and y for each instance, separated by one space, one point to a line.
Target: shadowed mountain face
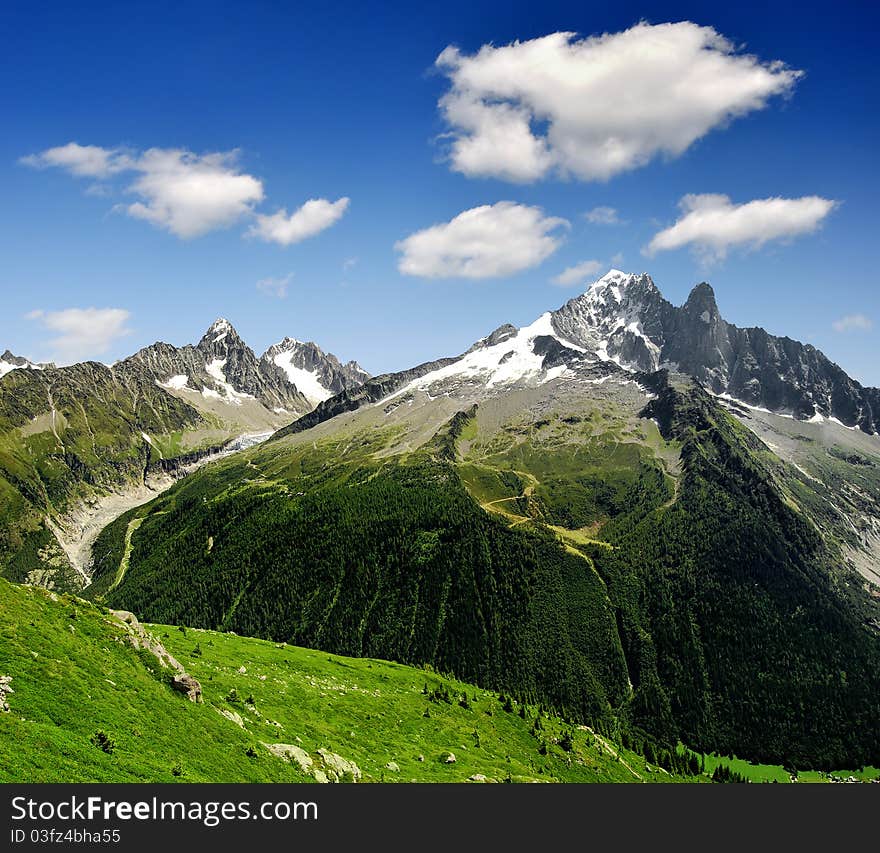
625 318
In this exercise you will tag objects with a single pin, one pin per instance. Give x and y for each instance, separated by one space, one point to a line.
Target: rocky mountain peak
316 374
220 338
619 318
701 303
10 361
502 333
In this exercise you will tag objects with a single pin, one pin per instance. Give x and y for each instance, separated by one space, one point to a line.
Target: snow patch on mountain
10 362
215 370
175 383
511 360
306 381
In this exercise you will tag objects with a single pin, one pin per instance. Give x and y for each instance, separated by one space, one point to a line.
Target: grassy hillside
87 706
390 560
552 543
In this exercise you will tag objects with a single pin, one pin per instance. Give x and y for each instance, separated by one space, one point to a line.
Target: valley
554 517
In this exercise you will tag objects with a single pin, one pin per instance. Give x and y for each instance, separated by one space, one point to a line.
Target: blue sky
341 102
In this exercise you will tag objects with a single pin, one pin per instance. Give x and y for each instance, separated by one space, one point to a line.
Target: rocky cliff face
221 367
624 317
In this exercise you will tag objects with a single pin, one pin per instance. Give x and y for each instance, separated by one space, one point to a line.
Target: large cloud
312 218
598 106
189 194
484 242
82 333
712 224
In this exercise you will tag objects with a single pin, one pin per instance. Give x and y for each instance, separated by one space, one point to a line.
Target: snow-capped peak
317 375
285 344
616 283
613 275
9 362
220 328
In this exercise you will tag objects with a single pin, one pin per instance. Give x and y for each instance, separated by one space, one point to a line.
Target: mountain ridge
623 322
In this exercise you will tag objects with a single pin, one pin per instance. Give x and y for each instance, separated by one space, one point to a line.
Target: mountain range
74 438
623 322
639 515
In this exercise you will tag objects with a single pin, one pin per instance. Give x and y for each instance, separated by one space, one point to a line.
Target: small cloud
577 274
853 323
312 218
34 315
99 190
82 333
490 241
276 287
617 261
603 216
83 161
712 224
349 263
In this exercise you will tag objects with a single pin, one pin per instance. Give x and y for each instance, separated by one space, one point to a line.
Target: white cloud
577 274
349 263
276 287
597 106
484 242
712 224
190 194
82 333
99 190
603 216
853 323
312 218
187 194
90 161
617 261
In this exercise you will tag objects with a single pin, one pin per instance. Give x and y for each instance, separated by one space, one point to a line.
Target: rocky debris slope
140 638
